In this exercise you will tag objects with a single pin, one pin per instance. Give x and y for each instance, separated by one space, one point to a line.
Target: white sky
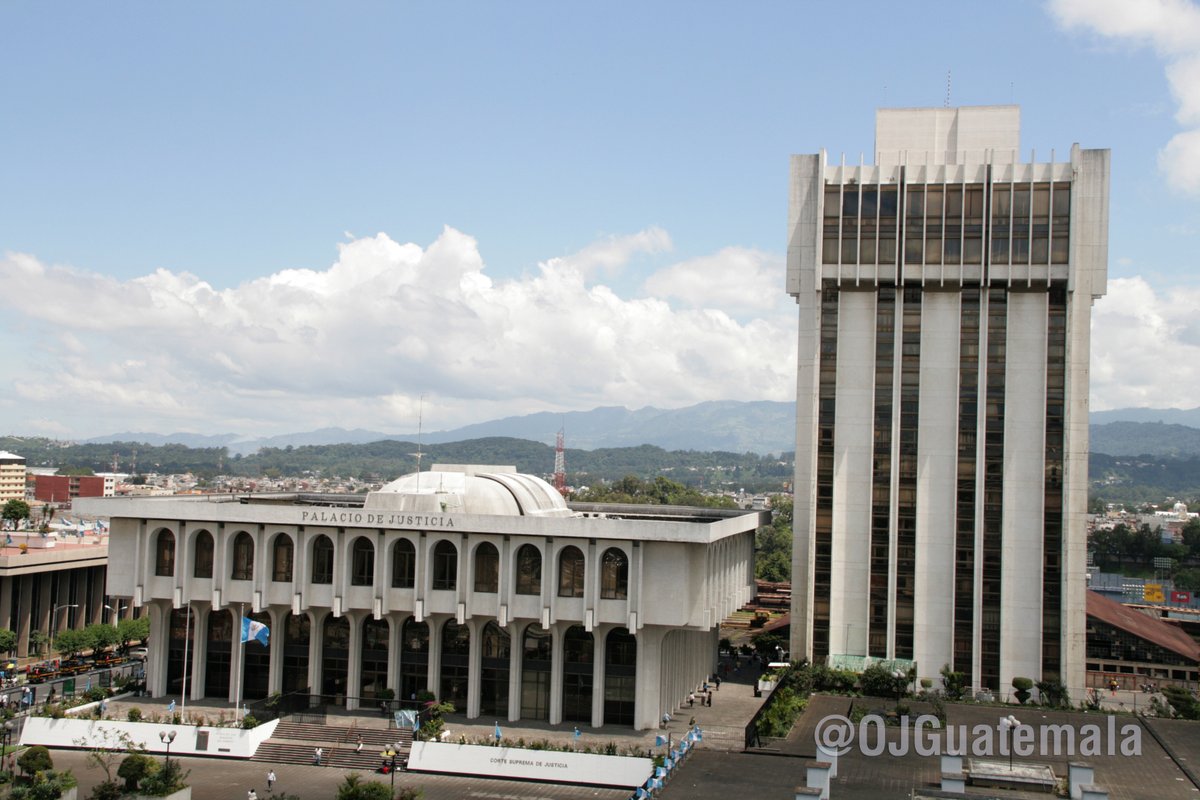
276 217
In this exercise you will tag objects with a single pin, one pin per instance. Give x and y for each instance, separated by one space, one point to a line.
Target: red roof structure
1144 626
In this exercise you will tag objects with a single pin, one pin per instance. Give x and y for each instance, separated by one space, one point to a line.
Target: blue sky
181 183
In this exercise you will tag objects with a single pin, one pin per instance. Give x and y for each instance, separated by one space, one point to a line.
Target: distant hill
1145 438
1174 416
732 426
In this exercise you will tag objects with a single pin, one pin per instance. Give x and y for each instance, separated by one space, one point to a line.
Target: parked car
138 653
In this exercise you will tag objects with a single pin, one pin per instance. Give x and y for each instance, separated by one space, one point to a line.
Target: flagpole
187 638
242 656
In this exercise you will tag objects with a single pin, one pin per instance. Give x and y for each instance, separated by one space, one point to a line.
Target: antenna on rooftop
947 105
420 419
560 464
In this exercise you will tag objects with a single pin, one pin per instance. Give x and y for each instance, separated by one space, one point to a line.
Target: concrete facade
12 477
476 584
944 296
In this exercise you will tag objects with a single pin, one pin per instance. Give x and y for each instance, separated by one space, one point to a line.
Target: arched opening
335 664
322 560
620 677
374 657
281 558
496 647
614 575
404 565
203 566
297 636
217 657
164 554
578 655
243 557
256 666
414 659
487 568
570 572
456 660
362 562
445 566
536 656
529 570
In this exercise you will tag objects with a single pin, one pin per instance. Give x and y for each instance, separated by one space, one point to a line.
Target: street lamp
5 758
1010 724
901 678
391 754
54 622
116 612
166 737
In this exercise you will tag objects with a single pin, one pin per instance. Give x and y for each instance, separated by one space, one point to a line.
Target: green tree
1188 580
37 642
355 788
8 640
15 510
101 636
773 543
68 642
134 769
35 759
133 630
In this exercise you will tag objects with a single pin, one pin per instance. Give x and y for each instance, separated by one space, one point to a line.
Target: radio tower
560 465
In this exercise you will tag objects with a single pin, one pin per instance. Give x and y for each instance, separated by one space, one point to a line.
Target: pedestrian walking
691 699
358 748
317 757
270 779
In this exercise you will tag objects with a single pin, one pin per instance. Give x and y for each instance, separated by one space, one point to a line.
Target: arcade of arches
521 671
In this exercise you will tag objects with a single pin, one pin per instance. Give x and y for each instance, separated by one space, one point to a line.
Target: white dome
495 493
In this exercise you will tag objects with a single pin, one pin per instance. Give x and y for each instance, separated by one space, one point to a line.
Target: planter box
183 794
190 740
553 766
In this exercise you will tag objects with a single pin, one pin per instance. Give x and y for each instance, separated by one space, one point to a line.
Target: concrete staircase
295 742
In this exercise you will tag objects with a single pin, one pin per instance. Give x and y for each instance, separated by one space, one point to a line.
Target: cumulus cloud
356 344
1145 347
1172 28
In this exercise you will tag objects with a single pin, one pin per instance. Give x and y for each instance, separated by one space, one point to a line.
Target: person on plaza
691 699
270 779
317 756
251 795
358 748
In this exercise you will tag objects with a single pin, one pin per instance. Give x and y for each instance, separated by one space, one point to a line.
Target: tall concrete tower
945 297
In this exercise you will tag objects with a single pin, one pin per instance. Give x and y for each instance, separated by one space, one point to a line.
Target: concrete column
275 679
647 697
6 593
24 613
316 648
96 601
395 628
556 673
45 603
156 661
475 667
237 657
199 671
79 615
599 641
515 655
433 681
354 663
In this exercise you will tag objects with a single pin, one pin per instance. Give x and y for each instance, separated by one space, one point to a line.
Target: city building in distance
944 298
475 583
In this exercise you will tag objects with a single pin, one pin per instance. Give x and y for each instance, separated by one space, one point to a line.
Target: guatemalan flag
255 631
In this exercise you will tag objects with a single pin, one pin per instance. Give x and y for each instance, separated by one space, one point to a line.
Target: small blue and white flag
659 741
171 707
256 631
497 734
576 731
699 733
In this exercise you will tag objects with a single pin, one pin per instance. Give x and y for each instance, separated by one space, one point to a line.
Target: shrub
35 759
135 714
45 786
106 790
1183 703
1054 694
134 769
1022 687
249 721
164 780
954 682
354 788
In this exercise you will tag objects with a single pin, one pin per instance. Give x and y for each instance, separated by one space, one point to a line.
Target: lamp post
392 753
166 737
1010 724
5 759
54 622
901 679
116 612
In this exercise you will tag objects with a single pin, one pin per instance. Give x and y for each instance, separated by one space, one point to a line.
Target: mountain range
760 426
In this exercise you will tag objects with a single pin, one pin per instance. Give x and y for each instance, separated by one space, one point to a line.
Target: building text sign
381 519
536 765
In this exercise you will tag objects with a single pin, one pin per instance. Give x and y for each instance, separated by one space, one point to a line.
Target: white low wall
538 765
190 740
